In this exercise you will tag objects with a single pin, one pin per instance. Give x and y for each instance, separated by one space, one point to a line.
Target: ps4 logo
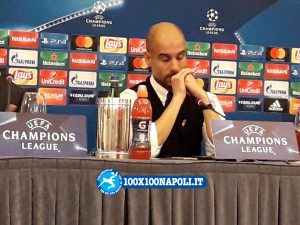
54 41
112 61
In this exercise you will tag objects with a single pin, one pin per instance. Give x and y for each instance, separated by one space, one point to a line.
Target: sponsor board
54 96
138 64
104 79
3 56
295 72
54 41
136 46
222 86
84 42
277 71
112 61
116 45
201 67
276 89
295 89
24 76
3 38
224 51
23 58
198 49
82 79
53 59
294 105
250 69
228 103
133 79
223 68
53 78
250 87
251 52
276 105
277 54
295 58
23 39
83 61
82 97
249 104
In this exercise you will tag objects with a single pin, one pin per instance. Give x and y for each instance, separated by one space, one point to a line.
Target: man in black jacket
179 125
16 94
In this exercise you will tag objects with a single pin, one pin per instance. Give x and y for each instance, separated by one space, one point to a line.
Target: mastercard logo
277 53
140 63
84 41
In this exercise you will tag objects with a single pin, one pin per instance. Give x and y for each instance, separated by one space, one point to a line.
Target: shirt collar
160 90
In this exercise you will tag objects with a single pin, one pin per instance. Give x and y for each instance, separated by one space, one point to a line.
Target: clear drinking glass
33 102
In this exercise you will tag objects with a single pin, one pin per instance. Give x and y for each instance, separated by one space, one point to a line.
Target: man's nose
174 66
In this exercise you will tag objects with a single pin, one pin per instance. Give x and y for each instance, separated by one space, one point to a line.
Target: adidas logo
275 106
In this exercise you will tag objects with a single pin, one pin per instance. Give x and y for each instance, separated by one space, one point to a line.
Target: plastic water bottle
141 118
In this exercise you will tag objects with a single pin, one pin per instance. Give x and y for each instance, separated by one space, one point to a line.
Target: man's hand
195 89
178 83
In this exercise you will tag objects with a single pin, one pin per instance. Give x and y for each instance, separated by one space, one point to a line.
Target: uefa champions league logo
109 182
99 7
212 15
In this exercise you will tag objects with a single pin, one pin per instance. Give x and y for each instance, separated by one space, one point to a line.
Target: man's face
166 58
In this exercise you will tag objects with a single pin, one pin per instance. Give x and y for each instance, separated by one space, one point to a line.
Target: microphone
201 104
9 79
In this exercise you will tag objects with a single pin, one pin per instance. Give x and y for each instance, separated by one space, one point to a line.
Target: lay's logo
113 45
24 76
223 86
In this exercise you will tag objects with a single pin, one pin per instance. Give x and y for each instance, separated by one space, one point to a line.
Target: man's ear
147 58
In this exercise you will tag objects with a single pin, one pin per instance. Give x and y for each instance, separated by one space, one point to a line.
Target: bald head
163 32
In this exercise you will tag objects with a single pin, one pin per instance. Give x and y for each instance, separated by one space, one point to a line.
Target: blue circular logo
109 182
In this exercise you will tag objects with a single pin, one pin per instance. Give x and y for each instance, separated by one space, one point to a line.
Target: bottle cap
142 91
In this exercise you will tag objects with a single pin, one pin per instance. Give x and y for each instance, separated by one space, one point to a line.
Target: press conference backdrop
247 52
